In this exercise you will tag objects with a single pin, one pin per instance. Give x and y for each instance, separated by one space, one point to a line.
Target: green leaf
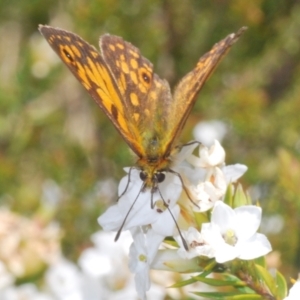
228 198
261 261
220 282
240 197
228 296
201 217
266 278
191 280
183 283
282 288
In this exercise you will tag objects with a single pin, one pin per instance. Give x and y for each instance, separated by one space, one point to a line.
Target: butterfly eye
160 177
143 176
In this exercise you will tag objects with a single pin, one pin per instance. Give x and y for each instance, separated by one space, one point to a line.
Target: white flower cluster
231 233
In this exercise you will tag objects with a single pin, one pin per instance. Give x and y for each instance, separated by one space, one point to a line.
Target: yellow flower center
142 258
230 237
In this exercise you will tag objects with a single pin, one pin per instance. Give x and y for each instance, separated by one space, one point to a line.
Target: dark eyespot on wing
146 77
68 55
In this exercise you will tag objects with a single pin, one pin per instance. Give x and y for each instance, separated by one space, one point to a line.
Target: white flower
233 172
104 266
206 193
111 257
195 242
208 131
65 281
232 233
207 175
6 278
185 152
151 216
149 226
142 253
27 291
209 157
294 293
135 204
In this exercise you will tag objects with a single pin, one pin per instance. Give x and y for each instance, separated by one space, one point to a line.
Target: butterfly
137 101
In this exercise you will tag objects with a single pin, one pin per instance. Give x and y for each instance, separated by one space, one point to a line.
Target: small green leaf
201 217
282 288
261 261
228 198
266 278
220 282
191 280
228 296
240 198
183 283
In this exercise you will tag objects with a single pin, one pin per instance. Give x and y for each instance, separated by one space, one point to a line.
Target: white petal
207 132
138 251
195 243
223 216
294 293
220 182
205 195
226 253
142 283
139 212
111 220
214 156
164 225
234 172
255 247
185 152
212 237
248 219
153 241
170 189
139 262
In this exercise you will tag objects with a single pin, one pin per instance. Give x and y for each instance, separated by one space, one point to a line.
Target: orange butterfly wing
91 70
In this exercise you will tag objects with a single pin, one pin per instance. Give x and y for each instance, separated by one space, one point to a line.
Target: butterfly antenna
124 221
179 231
184 187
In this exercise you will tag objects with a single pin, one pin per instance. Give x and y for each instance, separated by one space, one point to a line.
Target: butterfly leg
191 143
183 186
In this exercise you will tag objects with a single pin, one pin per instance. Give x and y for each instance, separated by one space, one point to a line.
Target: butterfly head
153 172
152 180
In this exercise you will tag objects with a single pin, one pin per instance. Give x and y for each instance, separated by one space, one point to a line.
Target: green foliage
238 280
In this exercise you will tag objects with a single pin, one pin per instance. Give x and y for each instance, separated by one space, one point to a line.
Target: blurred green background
57 146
